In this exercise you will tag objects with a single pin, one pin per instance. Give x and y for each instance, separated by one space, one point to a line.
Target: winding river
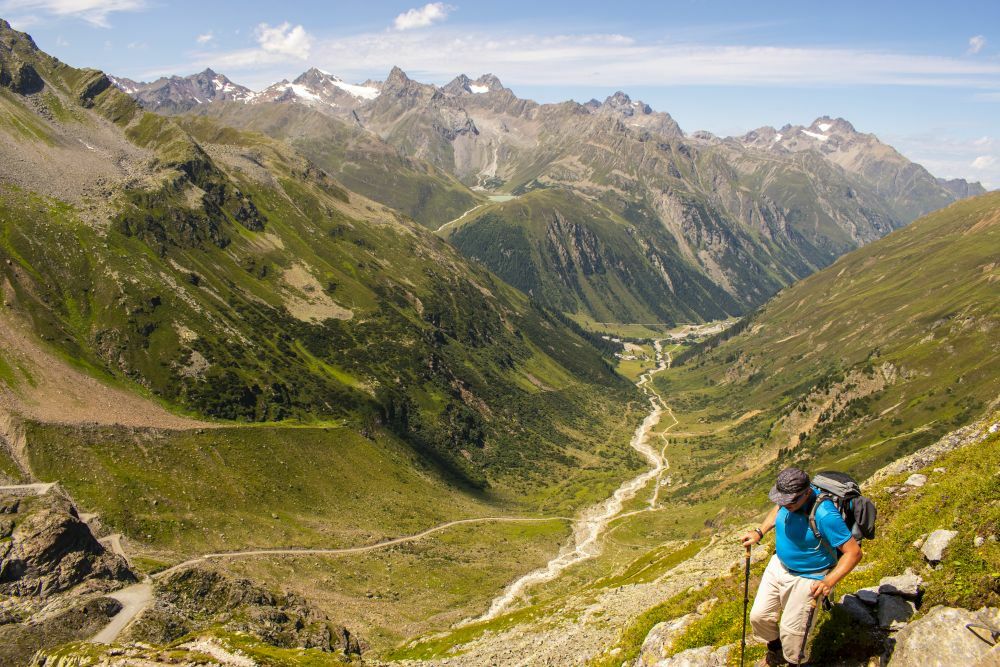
594 521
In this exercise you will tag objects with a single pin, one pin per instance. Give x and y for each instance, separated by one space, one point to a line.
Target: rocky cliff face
750 214
45 548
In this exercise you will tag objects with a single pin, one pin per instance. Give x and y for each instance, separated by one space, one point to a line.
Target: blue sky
923 76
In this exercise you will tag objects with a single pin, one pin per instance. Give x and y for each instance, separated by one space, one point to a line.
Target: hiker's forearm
846 563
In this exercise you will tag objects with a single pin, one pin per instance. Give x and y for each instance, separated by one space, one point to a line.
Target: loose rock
655 646
857 609
908 585
868 595
916 479
704 656
933 549
894 611
941 638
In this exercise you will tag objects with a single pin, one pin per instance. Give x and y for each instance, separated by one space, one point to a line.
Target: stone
658 640
940 470
50 550
894 611
941 638
916 479
704 656
706 606
991 659
978 541
907 585
868 595
937 542
857 609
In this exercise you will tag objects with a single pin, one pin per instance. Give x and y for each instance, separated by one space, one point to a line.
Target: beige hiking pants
780 589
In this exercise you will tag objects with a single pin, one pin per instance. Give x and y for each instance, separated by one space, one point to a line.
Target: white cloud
976 44
422 17
594 60
94 12
614 60
205 38
284 40
22 23
948 156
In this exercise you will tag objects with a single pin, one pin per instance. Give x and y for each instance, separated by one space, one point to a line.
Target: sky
923 76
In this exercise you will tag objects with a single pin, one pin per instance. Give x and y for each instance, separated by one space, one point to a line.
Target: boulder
658 640
857 609
894 611
868 595
941 638
991 659
704 656
51 550
936 543
907 585
916 479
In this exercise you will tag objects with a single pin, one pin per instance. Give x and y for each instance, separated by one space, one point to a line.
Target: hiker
803 567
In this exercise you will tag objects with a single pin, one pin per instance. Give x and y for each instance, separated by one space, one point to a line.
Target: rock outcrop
941 638
51 550
194 599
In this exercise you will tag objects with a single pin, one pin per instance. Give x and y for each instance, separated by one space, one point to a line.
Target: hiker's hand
820 589
750 539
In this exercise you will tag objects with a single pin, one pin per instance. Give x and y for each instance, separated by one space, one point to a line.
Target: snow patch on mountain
814 135
364 92
478 89
303 92
824 127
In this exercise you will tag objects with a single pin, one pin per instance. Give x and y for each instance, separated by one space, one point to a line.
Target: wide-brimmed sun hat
790 485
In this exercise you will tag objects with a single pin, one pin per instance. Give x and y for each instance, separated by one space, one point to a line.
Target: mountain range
331 367
651 223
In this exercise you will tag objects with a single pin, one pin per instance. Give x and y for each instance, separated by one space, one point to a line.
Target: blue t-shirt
799 550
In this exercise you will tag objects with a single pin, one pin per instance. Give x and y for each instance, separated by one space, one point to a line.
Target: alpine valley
389 372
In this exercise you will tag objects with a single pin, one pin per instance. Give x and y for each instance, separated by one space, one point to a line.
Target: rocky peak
397 78
833 125
623 103
458 86
490 81
313 74
10 39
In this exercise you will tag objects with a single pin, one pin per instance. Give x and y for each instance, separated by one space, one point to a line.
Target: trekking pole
746 601
805 636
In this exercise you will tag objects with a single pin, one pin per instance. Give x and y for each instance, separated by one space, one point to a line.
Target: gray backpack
858 511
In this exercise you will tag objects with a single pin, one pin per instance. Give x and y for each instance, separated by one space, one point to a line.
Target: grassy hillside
966 578
364 379
236 280
881 353
577 256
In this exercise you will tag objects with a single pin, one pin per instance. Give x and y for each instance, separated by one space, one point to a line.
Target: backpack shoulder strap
812 521
812 514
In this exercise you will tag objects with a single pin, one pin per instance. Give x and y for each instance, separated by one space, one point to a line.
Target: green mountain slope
576 256
877 355
358 159
232 278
